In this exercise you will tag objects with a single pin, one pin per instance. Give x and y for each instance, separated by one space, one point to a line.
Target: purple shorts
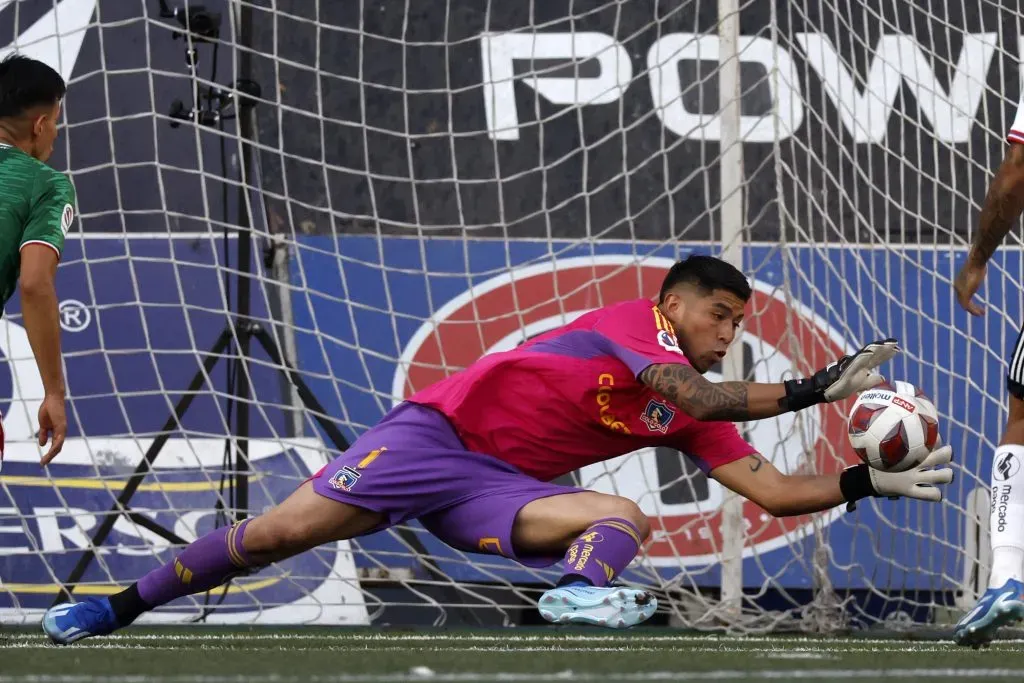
412 465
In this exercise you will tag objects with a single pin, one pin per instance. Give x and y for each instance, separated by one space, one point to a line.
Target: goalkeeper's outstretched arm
704 400
741 401
782 495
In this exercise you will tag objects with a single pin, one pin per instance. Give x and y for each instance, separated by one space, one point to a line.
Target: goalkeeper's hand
921 482
842 378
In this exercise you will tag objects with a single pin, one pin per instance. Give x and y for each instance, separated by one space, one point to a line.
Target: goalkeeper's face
705 323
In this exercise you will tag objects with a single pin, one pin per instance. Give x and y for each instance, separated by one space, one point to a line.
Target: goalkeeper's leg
1003 602
303 521
410 464
601 535
538 524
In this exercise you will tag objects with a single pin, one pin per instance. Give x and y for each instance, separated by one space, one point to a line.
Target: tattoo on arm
704 400
758 461
1003 205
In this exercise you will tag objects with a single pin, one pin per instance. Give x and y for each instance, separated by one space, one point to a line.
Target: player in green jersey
36 211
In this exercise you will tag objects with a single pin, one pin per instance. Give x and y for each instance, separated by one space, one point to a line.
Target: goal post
428 186
732 220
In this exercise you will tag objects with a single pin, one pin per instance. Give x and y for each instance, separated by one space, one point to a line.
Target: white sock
1006 523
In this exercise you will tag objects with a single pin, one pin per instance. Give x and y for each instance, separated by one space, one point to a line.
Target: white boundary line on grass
778 653
202 635
847 674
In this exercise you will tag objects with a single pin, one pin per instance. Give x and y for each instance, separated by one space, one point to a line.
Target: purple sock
206 563
601 552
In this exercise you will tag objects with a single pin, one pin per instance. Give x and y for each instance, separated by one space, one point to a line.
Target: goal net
294 214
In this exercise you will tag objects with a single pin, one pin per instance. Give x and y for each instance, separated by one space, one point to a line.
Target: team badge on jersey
66 217
345 478
668 342
666 337
657 416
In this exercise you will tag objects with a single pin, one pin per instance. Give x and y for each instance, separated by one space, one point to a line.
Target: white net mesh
426 184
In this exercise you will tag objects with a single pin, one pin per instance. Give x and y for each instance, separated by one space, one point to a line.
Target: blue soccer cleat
612 607
67 622
997 607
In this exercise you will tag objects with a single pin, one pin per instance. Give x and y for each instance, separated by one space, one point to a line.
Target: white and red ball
893 427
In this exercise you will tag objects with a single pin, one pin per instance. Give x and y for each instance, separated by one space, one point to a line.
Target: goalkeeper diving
36 212
472 457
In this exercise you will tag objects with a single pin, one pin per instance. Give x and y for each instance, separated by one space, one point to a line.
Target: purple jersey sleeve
640 336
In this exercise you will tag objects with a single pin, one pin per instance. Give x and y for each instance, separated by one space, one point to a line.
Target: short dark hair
708 274
26 83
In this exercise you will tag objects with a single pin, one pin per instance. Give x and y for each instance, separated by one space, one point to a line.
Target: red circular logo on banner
504 311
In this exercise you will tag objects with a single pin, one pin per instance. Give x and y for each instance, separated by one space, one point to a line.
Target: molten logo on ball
893 429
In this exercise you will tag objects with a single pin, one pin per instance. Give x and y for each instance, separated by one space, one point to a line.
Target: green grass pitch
527 655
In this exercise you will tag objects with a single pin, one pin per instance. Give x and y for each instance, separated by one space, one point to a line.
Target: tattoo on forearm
1002 207
686 388
758 461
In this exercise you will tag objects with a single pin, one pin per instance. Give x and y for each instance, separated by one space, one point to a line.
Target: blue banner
376 318
138 319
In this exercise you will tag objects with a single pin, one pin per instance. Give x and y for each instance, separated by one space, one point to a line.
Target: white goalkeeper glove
921 482
842 378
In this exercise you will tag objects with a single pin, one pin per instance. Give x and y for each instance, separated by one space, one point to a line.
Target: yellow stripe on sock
628 530
236 558
229 540
625 528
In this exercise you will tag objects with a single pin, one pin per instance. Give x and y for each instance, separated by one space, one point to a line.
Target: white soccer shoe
613 607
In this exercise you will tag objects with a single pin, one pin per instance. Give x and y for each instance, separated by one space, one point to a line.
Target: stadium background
575 183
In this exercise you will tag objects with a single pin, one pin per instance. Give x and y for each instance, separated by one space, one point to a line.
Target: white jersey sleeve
1016 133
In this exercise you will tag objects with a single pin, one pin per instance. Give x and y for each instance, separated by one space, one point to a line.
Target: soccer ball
893 427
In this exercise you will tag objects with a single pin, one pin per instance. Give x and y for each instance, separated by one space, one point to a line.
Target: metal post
732 218
244 290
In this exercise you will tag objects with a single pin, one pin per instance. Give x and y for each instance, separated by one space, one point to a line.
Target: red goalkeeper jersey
571 397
